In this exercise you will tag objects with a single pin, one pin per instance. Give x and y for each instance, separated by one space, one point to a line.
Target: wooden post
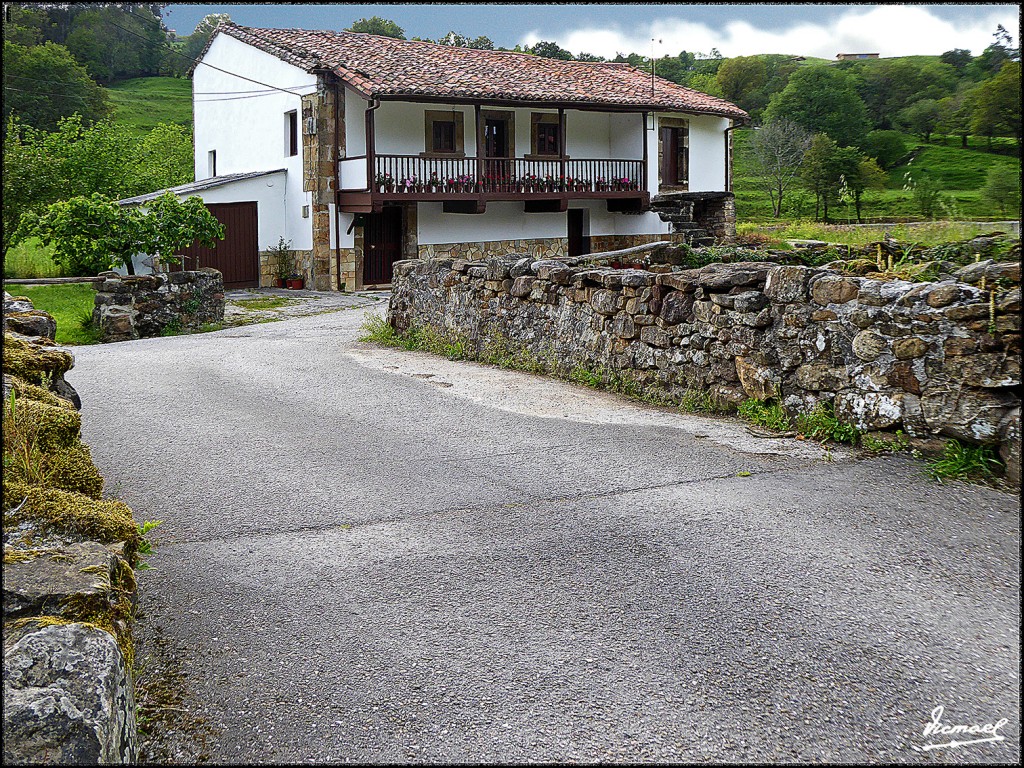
561 144
479 148
644 168
371 160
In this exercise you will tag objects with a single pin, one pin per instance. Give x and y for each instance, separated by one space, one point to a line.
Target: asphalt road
372 555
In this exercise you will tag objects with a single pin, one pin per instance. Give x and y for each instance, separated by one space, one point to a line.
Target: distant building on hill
851 56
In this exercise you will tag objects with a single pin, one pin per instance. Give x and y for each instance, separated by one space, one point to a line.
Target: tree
887 147
43 83
457 40
1002 188
925 188
829 169
115 43
822 100
375 25
997 109
739 77
920 118
91 234
778 151
549 50
955 113
43 167
888 86
869 175
88 234
196 42
171 225
705 83
998 53
958 59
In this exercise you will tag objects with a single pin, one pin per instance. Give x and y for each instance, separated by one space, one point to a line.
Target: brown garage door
237 255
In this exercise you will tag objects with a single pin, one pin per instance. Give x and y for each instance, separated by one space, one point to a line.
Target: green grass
763 413
960 461
821 424
70 304
924 234
144 102
30 258
266 302
956 169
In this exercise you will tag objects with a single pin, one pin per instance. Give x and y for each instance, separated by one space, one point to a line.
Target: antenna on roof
652 64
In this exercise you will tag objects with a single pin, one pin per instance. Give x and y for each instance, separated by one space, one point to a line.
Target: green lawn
144 102
70 304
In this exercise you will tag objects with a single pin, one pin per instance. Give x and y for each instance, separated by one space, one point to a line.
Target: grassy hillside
145 101
961 173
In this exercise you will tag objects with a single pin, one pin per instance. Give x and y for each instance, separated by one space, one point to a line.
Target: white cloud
889 30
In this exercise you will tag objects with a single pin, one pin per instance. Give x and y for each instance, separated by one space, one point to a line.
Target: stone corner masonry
927 358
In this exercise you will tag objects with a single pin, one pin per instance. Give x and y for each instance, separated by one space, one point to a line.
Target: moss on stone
32 362
23 390
72 469
73 514
53 427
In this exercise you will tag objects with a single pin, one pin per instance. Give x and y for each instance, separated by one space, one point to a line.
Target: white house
385 149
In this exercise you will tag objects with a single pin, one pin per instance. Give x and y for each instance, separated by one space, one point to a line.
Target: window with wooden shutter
444 132
674 148
291 128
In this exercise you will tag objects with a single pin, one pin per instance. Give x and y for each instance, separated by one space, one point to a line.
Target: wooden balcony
466 184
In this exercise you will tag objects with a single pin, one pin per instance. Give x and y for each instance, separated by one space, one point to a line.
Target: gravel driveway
371 555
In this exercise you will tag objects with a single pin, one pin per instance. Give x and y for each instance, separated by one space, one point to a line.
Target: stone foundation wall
927 358
603 243
139 306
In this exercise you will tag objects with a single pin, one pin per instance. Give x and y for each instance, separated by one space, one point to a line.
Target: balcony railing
401 175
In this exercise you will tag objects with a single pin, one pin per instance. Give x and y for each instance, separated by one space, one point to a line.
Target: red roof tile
385 67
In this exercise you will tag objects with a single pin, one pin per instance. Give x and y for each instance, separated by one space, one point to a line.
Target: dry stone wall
928 358
139 306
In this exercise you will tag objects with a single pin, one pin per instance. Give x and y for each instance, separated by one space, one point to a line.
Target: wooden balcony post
371 160
561 144
479 148
643 167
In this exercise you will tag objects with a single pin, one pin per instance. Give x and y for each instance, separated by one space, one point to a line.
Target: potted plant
296 281
281 260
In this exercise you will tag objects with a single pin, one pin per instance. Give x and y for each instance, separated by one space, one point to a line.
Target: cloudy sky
606 28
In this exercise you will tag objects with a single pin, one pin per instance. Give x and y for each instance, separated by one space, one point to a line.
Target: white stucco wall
707 152
508 221
245 122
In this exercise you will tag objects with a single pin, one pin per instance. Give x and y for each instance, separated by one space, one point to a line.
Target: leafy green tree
997 109
375 25
886 147
828 170
115 43
549 50
583 56
171 225
777 151
1002 188
920 118
823 100
43 83
955 113
888 86
88 234
741 76
705 82
94 233
42 167
991 60
869 175
958 59
196 42
457 40
23 24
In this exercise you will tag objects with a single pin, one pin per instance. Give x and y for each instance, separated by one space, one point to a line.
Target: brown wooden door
237 255
382 245
496 172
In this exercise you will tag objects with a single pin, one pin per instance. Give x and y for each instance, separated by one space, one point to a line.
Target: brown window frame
544 118
680 130
291 123
431 116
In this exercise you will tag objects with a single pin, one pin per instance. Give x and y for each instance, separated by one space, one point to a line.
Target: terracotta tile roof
378 66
